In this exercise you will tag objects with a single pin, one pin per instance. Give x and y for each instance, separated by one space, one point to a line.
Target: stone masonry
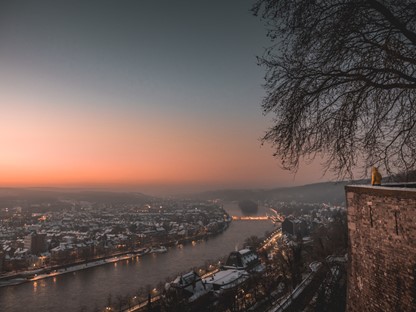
382 249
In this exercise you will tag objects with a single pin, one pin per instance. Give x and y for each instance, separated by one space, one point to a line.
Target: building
244 259
191 286
35 243
382 248
294 227
226 280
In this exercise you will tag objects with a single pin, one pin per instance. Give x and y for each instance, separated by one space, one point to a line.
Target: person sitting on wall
375 177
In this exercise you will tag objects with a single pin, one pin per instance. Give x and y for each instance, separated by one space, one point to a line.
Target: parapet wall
382 249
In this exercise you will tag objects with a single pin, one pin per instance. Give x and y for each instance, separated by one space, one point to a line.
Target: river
88 289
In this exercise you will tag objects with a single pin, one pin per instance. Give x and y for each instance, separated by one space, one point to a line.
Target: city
208 156
44 240
80 232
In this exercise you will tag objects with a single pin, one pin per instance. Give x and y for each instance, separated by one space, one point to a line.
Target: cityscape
208 156
59 237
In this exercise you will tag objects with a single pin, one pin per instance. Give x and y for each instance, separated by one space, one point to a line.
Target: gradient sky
156 96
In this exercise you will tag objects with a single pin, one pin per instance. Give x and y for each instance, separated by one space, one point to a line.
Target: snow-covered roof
192 283
227 278
244 251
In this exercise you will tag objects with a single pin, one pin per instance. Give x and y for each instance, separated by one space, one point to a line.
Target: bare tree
253 241
341 82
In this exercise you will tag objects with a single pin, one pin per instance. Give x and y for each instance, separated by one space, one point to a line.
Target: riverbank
89 290
47 272
34 275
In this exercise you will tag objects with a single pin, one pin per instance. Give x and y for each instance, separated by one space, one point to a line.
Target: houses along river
88 289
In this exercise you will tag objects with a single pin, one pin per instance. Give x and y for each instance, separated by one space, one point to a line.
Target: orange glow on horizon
94 148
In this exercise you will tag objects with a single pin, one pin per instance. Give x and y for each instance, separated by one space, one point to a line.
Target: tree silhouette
341 82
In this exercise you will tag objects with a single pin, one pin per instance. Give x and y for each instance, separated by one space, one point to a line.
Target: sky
153 96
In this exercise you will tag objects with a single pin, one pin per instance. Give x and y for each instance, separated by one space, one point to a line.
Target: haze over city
132 96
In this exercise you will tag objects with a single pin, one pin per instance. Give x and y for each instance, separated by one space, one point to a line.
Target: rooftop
225 277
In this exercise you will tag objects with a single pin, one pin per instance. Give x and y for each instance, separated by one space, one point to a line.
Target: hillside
9 196
332 192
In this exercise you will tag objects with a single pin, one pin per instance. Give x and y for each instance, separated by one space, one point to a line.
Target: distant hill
39 195
332 192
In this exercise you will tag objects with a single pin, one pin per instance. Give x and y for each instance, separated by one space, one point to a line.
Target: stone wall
382 249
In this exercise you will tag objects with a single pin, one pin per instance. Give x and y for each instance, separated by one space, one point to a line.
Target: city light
250 218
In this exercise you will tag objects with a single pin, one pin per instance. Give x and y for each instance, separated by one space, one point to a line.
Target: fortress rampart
382 248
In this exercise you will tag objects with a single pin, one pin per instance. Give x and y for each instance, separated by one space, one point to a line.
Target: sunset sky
155 96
